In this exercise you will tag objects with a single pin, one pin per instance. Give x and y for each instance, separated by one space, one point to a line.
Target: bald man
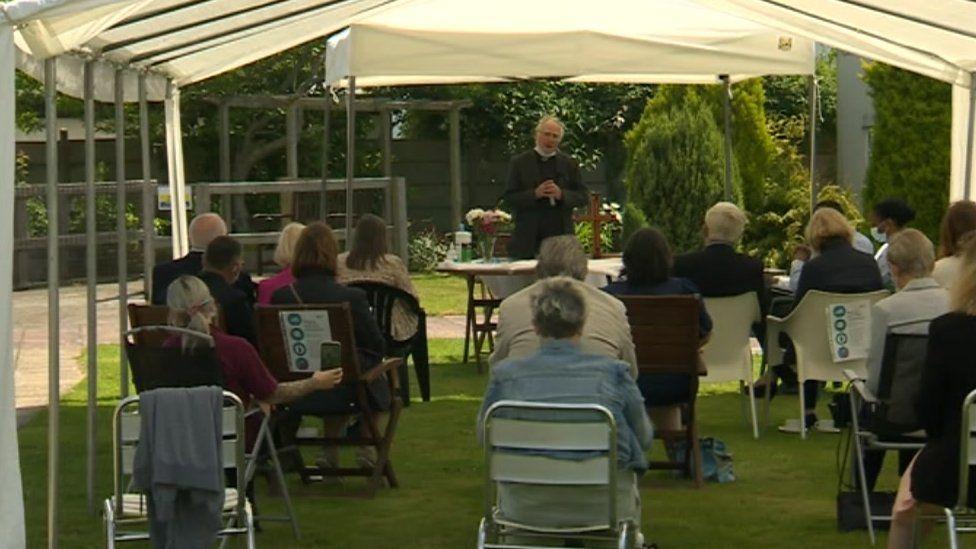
544 185
203 229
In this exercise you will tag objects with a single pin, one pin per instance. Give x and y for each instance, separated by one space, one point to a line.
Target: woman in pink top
282 256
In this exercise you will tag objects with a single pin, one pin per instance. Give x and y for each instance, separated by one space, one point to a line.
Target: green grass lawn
783 496
441 294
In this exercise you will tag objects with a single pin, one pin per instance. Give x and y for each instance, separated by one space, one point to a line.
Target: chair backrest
967 448
382 298
271 342
665 330
519 435
142 315
807 327
127 429
154 366
727 354
901 375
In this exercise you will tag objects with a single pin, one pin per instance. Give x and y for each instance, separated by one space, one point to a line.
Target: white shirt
882 258
947 271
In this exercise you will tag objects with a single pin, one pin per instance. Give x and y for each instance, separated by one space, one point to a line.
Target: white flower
617 217
615 206
473 215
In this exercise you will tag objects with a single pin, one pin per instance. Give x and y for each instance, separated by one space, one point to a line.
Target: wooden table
478 332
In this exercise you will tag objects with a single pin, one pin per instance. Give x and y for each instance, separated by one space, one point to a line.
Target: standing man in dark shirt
222 263
544 185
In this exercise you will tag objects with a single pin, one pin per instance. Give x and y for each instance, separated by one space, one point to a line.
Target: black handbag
840 410
850 510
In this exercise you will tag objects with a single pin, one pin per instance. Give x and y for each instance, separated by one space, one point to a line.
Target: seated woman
919 299
560 372
368 261
958 226
647 265
191 306
837 267
282 256
314 267
948 377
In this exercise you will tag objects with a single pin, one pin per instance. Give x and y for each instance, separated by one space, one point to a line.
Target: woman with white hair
191 306
282 256
561 372
918 300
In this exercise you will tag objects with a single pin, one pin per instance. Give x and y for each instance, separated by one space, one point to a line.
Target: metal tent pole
350 156
53 312
967 190
454 123
812 79
326 125
727 104
120 229
148 193
91 274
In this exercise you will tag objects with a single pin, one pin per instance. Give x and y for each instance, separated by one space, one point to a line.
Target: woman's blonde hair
962 296
190 306
827 223
286 243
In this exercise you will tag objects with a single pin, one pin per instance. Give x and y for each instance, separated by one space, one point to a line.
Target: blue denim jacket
561 373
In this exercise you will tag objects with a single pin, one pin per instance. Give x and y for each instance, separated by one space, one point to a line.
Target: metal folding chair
515 432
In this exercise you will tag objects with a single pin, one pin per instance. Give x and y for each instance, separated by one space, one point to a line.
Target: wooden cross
596 217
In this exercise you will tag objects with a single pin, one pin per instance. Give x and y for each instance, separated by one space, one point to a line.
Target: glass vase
486 248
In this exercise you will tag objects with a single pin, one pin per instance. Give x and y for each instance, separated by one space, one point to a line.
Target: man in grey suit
544 185
606 331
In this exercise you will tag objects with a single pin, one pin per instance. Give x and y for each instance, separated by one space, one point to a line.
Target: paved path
30 339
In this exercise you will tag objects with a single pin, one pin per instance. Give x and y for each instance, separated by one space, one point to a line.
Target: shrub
910 143
675 164
426 249
633 219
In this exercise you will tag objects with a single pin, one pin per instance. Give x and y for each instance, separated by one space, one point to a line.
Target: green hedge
910 143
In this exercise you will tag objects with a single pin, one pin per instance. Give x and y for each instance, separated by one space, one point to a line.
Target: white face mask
878 236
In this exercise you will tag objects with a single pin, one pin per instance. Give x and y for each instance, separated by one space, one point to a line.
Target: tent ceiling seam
925 22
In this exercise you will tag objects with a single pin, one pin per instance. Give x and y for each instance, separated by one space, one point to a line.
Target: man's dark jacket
191 264
719 271
524 175
237 309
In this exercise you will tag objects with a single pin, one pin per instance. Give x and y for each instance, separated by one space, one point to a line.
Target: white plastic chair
806 326
728 353
125 510
514 432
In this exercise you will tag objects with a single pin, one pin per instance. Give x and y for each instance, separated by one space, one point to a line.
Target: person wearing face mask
544 185
888 217
222 263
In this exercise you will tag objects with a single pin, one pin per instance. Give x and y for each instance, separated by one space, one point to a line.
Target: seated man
717 270
606 333
203 229
222 262
918 300
561 371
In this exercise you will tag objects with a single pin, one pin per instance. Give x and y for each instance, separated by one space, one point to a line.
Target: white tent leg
812 82
91 273
174 163
967 190
120 228
727 107
53 297
350 156
12 502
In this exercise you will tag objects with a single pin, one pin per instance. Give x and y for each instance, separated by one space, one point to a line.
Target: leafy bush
633 219
910 143
675 164
426 248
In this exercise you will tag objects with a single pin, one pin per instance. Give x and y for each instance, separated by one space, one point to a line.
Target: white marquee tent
128 50
640 41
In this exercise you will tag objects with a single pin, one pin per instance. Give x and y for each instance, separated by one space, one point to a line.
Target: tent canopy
638 41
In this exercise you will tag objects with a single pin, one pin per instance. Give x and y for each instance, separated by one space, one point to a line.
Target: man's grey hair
725 222
912 252
559 309
561 256
204 228
546 118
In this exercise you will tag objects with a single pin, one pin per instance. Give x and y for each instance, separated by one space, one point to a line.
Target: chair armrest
388 365
858 385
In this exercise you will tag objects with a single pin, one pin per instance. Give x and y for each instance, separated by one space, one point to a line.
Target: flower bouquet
486 225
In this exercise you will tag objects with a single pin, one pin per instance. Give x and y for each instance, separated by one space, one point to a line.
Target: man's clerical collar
544 155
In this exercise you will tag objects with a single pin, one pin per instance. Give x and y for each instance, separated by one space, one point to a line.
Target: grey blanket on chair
178 465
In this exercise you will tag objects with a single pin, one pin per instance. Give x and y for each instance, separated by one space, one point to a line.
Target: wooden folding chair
272 348
666 341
